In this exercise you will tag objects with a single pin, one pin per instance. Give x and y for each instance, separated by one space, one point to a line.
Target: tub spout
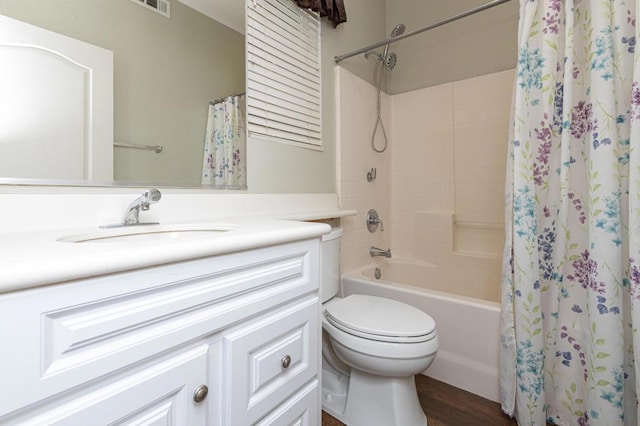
375 251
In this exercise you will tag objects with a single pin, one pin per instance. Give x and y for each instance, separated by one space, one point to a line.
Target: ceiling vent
160 6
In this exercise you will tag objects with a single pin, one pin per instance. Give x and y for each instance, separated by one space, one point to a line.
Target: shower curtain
224 163
571 269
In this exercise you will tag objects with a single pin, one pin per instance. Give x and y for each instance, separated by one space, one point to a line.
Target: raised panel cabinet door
270 359
161 394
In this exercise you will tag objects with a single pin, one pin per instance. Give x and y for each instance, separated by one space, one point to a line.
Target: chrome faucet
375 251
373 220
131 215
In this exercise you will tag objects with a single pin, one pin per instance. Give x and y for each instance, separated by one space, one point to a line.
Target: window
283 73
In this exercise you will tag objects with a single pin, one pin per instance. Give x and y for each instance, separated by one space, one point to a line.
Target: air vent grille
160 6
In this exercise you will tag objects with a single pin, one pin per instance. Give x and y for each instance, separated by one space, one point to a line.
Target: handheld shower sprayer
397 30
386 61
389 60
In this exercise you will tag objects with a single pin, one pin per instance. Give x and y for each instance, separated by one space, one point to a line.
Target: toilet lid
380 319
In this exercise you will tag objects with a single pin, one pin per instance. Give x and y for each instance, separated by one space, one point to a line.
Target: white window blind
283 73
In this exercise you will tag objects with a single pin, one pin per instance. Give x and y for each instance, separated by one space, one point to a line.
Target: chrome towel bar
155 148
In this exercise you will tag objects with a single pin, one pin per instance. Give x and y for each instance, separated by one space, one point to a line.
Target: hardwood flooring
446 405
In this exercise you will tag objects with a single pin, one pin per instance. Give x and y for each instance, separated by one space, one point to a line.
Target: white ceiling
228 12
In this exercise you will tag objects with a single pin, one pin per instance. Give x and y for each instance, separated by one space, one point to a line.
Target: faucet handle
373 220
150 196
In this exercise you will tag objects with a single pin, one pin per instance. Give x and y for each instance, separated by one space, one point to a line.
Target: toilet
372 348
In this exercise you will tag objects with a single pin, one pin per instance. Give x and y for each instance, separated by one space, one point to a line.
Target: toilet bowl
372 349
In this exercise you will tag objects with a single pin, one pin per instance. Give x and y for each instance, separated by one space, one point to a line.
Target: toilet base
367 399
334 392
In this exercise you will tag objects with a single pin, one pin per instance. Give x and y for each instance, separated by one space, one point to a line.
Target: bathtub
468 326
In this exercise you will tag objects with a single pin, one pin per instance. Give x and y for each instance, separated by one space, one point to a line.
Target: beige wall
165 73
274 167
476 45
366 24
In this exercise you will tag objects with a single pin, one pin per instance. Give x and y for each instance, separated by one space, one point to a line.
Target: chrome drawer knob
286 361
200 393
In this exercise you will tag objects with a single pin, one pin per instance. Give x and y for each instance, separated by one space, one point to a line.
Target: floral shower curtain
571 271
224 163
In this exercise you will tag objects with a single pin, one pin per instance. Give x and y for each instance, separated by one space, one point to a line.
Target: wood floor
446 405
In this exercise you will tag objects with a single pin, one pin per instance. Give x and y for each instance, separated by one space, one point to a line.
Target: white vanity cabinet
140 347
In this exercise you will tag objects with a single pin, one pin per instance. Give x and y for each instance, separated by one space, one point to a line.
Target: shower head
390 61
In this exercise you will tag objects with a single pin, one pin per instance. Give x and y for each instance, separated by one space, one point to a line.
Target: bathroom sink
151 233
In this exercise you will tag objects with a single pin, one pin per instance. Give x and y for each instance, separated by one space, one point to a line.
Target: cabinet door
161 394
268 360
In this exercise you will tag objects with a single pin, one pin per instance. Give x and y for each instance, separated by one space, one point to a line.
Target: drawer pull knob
200 393
286 361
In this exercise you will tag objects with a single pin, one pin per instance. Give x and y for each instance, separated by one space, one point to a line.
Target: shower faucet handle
373 220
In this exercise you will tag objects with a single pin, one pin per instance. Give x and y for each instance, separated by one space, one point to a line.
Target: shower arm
388 41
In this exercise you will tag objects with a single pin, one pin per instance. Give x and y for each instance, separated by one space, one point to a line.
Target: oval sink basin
139 233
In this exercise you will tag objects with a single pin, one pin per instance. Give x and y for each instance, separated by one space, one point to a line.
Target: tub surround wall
448 169
443 191
449 154
423 192
481 118
356 115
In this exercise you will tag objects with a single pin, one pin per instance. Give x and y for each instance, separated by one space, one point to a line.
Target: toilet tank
330 264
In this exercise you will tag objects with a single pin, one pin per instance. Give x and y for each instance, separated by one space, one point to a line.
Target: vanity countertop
32 259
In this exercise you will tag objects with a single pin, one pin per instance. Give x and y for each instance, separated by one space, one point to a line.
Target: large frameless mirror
166 72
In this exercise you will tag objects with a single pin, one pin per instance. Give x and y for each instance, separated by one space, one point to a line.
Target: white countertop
32 259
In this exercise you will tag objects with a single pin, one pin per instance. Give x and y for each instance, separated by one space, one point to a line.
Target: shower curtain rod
420 30
226 97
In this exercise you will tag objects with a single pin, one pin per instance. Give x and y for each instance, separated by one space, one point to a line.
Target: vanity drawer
302 409
56 338
268 360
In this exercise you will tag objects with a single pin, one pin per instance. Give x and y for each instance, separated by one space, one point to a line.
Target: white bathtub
468 327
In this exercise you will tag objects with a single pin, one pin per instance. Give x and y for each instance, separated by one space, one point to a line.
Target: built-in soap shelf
479 240
442 235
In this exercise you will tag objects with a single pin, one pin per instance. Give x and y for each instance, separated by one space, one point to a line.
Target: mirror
166 71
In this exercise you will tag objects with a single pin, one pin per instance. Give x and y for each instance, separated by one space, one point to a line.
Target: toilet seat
380 319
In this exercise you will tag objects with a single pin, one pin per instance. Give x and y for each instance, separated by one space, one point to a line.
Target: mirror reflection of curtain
224 163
